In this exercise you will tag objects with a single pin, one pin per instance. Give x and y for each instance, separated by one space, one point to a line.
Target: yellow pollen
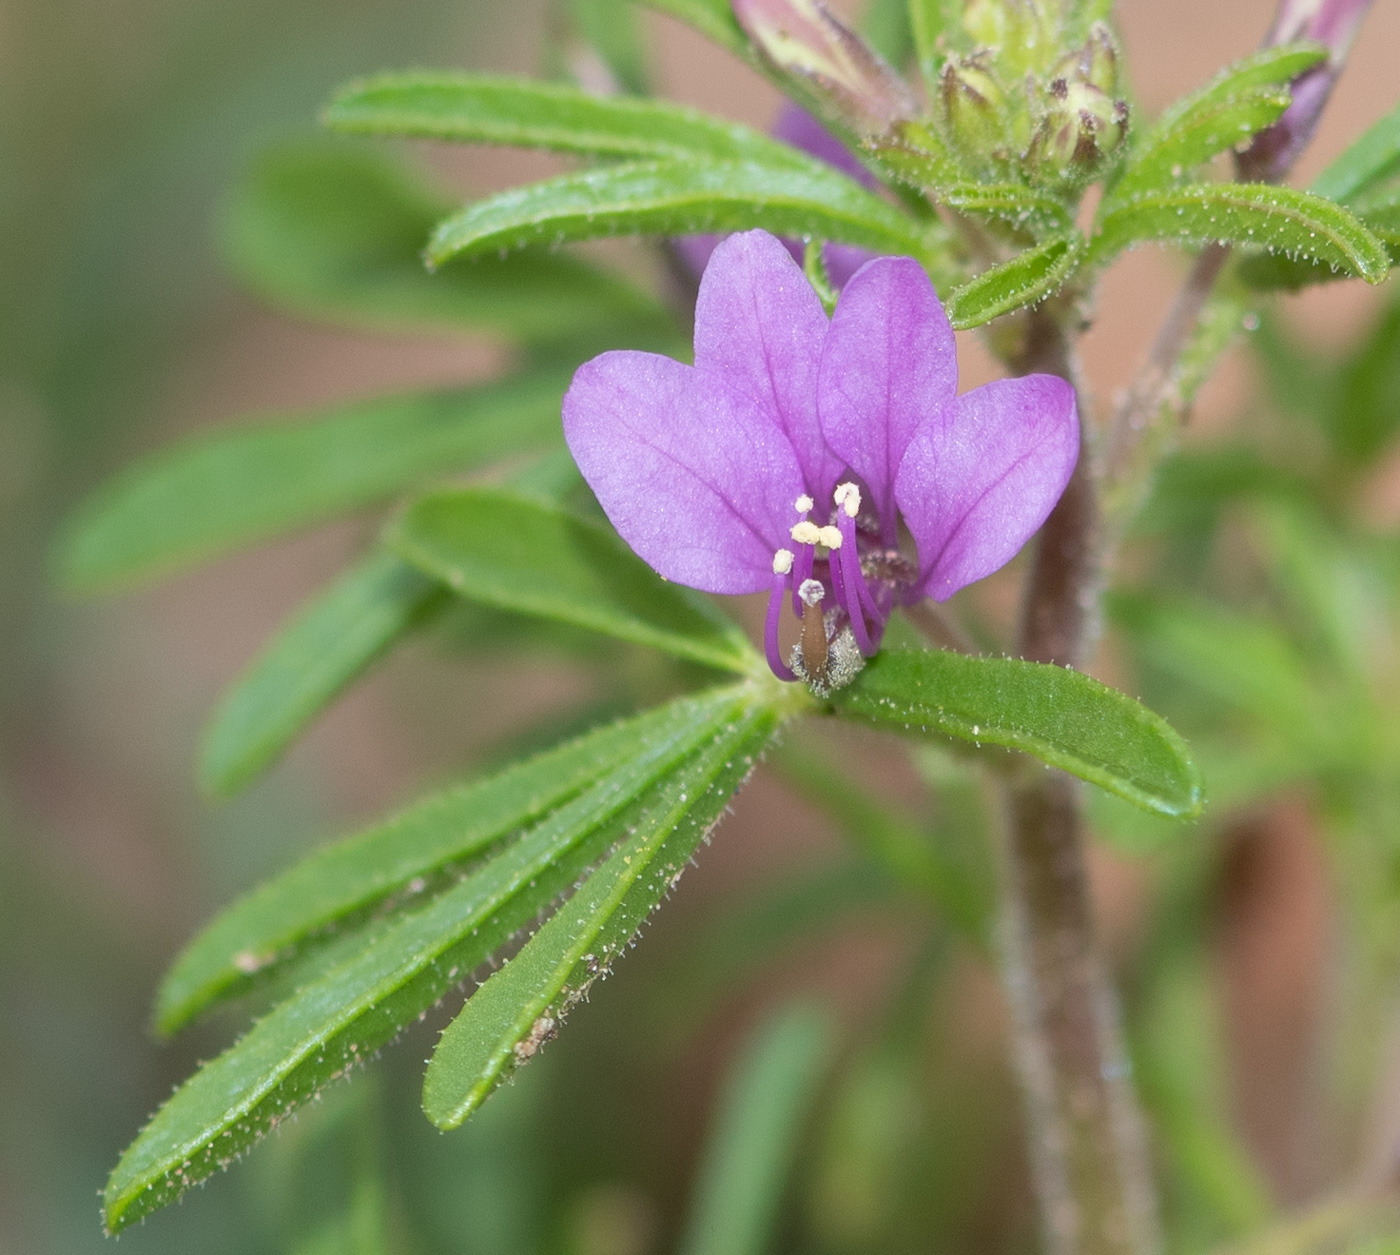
830 537
848 497
806 533
782 561
803 504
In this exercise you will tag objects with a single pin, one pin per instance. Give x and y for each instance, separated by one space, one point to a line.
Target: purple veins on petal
695 475
889 364
784 458
978 481
759 324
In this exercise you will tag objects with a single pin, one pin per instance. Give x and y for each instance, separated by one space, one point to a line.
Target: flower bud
1096 63
1025 33
804 39
973 104
1080 130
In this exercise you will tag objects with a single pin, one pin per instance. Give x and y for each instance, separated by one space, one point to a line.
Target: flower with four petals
785 458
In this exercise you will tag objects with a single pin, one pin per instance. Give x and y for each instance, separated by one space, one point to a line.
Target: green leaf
1261 215
1025 279
530 556
676 198
1059 716
343 880
1271 67
474 108
407 961
751 1147
330 642
935 173
330 232
712 18
1169 156
1370 159
1246 96
214 493
519 1007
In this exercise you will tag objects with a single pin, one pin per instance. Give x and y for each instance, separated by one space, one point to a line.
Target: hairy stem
1145 422
1087 1149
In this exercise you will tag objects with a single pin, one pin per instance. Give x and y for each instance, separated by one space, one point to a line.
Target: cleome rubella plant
816 450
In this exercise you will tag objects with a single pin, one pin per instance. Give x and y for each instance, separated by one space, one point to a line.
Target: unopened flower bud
804 39
973 104
1024 29
1080 130
1096 63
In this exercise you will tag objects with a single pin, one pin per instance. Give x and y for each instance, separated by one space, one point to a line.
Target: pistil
814 647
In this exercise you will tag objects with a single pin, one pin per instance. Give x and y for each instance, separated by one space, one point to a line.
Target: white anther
848 496
803 504
830 537
811 592
806 533
782 561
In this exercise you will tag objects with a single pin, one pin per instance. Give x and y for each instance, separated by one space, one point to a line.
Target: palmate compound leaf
521 1004
685 198
477 108
270 926
656 802
309 662
1065 719
330 231
1256 215
1025 279
1243 98
214 493
517 553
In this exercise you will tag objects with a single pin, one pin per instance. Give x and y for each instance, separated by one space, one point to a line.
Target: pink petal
889 364
694 475
760 325
978 481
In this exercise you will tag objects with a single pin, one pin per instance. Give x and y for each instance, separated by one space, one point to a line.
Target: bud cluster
1057 126
1030 96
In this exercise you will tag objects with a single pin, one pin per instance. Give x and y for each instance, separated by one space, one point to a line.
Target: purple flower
786 456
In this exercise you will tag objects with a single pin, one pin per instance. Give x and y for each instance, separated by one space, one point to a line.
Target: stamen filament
771 649
855 593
